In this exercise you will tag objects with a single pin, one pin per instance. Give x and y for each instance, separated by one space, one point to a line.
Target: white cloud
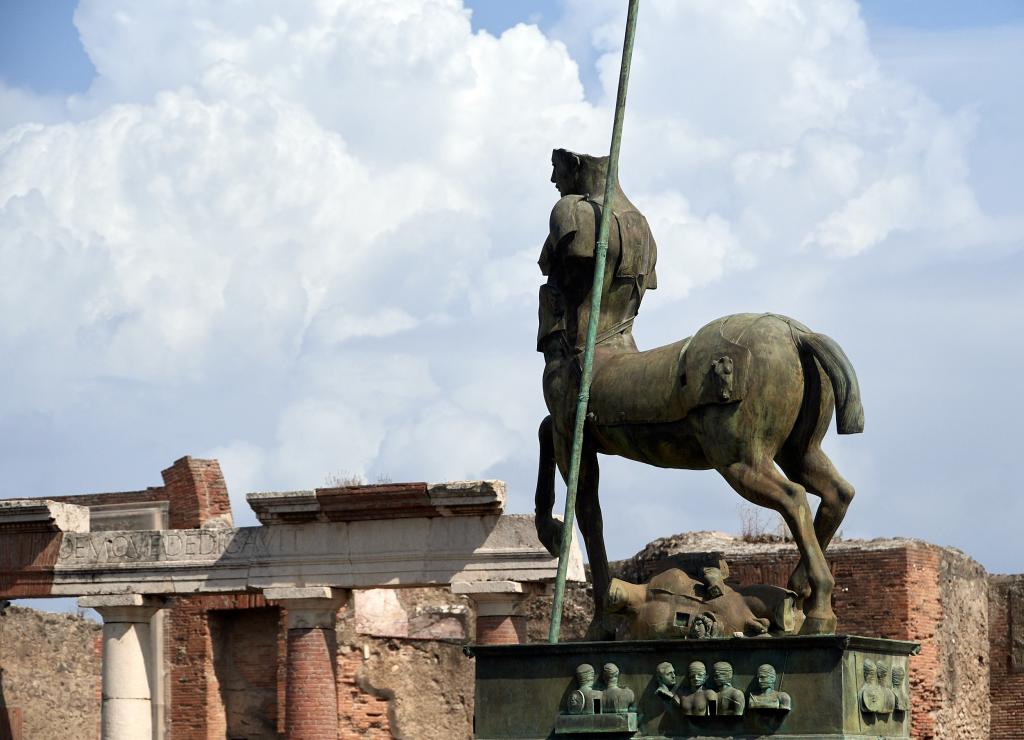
302 236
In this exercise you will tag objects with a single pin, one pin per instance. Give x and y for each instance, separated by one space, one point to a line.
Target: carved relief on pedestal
691 698
765 696
617 699
725 699
585 699
590 710
899 689
888 695
872 700
884 692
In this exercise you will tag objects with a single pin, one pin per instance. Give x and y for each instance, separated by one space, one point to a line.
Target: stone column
311 691
127 709
497 620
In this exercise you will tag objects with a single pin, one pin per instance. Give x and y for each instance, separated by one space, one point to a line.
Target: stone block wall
406 676
49 675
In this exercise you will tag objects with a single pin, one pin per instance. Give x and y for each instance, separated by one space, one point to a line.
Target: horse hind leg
818 475
762 484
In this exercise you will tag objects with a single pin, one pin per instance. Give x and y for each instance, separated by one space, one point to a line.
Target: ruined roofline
735 546
380 501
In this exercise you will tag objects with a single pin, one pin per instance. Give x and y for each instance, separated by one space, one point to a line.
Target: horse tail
549 530
849 410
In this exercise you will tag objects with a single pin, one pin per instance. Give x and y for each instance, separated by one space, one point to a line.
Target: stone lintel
277 593
100 601
308 607
380 501
492 598
470 588
42 515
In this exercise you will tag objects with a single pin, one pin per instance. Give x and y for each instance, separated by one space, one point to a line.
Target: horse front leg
762 484
588 514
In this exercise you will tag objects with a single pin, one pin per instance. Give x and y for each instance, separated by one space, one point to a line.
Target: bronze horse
745 393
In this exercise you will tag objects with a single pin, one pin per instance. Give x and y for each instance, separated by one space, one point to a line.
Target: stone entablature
313 548
371 553
41 515
390 535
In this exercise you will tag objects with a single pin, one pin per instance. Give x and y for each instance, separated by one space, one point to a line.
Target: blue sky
40 48
266 239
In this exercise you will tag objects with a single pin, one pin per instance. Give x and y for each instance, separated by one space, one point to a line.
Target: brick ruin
396 665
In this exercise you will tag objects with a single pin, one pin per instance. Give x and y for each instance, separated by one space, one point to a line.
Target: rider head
578 174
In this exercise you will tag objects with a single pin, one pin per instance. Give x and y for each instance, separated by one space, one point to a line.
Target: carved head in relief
723 674
870 675
898 672
766 678
697 674
585 675
610 675
666 674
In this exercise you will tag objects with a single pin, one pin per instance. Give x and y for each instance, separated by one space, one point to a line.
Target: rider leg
549 529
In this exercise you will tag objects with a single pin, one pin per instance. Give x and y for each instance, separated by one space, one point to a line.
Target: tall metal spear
600 255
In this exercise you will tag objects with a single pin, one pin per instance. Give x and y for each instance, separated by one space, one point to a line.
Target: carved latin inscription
166 546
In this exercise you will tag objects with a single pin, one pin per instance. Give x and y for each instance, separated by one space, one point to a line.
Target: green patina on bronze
746 392
789 687
746 395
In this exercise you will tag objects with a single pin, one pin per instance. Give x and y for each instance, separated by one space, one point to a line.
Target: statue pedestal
835 686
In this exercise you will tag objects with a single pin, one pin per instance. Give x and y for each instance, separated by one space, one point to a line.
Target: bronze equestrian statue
746 392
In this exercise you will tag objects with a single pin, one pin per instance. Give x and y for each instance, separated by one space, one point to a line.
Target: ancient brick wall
194 489
197 494
248 661
911 590
899 589
204 634
49 674
225 656
363 711
1006 652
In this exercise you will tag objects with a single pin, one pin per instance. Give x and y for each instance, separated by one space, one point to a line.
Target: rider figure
568 254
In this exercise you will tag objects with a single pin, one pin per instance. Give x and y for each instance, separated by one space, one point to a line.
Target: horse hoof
599 631
818 626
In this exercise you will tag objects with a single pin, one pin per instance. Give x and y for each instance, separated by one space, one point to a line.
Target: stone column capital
494 598
131 608
497 602
308 607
